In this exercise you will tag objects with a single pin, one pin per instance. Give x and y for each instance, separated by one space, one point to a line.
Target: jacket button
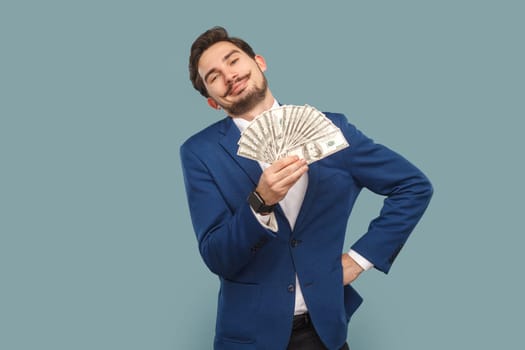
291 288
294 243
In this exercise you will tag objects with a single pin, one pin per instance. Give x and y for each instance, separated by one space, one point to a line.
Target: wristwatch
258 205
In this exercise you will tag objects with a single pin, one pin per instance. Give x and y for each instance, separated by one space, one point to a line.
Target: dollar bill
290 130
321 147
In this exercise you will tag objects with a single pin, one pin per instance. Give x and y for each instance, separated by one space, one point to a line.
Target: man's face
233 79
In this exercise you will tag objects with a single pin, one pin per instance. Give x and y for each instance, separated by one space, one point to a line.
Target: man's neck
264 105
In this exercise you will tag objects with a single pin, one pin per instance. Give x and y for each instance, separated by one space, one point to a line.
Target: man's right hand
277 179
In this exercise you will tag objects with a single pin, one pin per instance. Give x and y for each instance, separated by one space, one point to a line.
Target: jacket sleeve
228 235
406 189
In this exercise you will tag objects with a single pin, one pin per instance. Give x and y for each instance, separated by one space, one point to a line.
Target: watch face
255 201
258 205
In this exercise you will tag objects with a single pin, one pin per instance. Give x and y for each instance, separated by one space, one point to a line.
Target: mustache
230 85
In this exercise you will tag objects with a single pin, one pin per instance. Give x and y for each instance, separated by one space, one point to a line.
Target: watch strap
258 204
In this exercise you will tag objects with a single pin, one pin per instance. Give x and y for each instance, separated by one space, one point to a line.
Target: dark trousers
304 336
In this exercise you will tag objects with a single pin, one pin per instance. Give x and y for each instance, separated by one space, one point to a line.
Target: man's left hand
351 269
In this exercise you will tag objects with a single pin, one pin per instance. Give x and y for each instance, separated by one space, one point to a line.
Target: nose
231 76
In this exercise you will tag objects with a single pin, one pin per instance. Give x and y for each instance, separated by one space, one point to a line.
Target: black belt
301 321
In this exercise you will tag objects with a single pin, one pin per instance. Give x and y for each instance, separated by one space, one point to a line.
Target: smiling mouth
234 88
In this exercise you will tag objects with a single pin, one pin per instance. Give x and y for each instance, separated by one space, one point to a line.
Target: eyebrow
225 58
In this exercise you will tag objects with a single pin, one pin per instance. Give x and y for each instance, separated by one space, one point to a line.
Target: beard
249 101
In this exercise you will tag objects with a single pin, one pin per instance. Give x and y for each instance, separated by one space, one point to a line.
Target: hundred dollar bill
321 147
287 130
251 154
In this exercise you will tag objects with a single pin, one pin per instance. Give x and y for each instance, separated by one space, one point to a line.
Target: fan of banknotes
291 130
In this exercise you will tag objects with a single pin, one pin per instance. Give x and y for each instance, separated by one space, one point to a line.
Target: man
274 233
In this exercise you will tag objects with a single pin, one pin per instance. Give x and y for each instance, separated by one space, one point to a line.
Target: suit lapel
230 134
311 192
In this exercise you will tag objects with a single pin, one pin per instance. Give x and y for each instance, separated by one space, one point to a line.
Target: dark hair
202 43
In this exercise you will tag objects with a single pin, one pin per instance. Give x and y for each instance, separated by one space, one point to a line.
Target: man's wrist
258 204
360 260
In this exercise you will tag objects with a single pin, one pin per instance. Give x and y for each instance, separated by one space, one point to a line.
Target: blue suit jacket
257 267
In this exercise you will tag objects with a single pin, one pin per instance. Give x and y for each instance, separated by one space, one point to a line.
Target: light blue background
96 245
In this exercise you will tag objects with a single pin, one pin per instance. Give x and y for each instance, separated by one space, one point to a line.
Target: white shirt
291 205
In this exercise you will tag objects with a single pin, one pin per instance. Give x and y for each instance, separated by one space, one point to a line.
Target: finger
293 174
281 170
283 162
291 168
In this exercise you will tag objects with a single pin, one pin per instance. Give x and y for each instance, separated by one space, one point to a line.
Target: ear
261 62
213 104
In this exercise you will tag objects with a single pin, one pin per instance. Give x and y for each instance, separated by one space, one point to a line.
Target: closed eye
213 78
